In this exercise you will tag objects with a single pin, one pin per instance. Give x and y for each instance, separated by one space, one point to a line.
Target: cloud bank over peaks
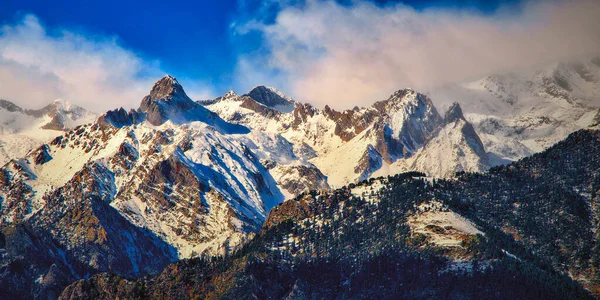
347 55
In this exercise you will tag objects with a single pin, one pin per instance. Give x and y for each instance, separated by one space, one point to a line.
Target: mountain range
487 235
129 192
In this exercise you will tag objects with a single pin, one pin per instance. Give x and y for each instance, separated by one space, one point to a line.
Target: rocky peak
62 113
402 94
57 108
408 119
166 98
454 114
230 94
400 99
350 123
61 105
302 113
167 88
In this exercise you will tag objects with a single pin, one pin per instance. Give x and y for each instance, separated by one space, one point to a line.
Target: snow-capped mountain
25 129
171 166
520 113
203 175
136 190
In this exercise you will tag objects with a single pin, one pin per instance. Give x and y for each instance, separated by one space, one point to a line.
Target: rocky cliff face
77 233
272 98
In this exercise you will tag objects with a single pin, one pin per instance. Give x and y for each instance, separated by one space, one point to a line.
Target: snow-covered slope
22 129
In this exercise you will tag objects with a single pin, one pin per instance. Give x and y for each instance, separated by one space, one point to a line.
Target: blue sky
208 44
190 38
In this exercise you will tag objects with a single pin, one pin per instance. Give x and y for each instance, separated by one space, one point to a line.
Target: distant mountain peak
401 96
60 102
402 93
60 106
229 94
403 99
272 98
454 113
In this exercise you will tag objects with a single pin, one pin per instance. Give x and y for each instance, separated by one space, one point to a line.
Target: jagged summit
229 94
455 147
401 98
59 106
63 113
168 88
166 98
402 93
454 113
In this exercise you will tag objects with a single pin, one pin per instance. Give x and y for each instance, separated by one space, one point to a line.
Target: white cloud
37 66
355 55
